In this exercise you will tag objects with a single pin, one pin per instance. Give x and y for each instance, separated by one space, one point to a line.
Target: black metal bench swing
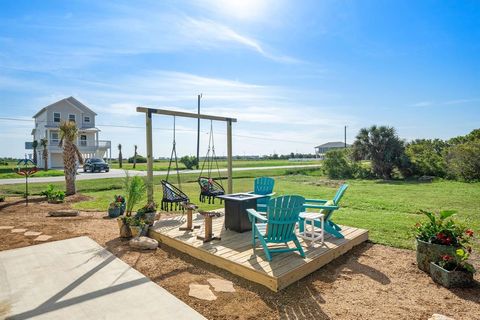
210 187
173 195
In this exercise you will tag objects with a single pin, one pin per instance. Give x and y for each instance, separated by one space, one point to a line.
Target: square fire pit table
236 205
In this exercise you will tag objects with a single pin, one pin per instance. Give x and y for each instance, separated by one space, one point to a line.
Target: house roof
70 100
332 145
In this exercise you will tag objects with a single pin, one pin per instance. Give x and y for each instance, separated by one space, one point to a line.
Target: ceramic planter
138 231
125 231
450 279
114 212
428 252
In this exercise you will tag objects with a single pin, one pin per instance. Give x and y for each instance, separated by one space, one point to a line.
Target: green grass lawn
7 172
161 165
387 209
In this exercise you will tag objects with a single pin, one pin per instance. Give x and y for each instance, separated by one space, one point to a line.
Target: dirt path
370 282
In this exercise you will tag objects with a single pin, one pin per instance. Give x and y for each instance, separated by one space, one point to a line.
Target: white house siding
56 160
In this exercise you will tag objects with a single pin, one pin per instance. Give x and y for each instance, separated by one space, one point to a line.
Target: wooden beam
184 114
229 157
148 120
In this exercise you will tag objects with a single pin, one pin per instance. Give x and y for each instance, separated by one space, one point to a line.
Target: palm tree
43 143
34 146
68 134
135 157
120 155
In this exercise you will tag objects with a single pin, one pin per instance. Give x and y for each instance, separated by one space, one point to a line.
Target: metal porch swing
171 194
210 187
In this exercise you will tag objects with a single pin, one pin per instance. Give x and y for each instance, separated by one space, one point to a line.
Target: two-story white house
47 122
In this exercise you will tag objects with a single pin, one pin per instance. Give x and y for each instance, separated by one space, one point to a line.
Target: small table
314 234
236 205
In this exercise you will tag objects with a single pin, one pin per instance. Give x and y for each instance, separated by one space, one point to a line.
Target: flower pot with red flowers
116 207
453 271
440 235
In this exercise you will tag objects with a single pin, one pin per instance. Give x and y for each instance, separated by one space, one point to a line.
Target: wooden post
148 115
229 156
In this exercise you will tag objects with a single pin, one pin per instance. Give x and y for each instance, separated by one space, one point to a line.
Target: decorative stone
32 233
144 243
42 238
201 291
18 230
437 316
221 285
6 227
64 213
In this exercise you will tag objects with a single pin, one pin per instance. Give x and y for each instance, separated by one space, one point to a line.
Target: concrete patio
79 279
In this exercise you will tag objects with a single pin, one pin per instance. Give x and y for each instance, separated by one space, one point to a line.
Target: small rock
221 285
32 234
42 238
18 230
437 316
201 291
6 227
144 243
64 213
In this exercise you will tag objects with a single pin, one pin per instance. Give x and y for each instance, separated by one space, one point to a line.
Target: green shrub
140 159
189 161
426 158
337 164
463 161
52 194
2 198
134 190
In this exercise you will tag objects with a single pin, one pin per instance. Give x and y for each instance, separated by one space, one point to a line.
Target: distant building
47 122
324 148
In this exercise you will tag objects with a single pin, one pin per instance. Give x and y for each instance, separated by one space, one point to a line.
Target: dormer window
86 119
71 117
56 117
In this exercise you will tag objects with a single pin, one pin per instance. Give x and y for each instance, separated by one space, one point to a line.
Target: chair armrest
316 200
316 206
270 194
256 215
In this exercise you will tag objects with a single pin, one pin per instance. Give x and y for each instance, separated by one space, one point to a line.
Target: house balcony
81 126
83 146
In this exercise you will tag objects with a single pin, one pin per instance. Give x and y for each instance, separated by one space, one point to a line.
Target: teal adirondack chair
263 186
278 226
327 208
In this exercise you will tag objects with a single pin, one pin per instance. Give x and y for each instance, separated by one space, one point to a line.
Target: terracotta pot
450 279
428 252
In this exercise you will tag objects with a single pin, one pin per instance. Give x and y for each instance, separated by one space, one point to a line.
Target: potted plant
148 213
138 227
438 236
135 191
116 207
53 196
453 271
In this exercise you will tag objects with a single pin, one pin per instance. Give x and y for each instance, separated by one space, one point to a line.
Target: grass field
161 165
387 209
7 172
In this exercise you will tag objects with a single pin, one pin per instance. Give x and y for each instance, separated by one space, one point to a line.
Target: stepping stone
201 291
221 285
6 227
18 230
32 233
64 213
437 316
144 243
42 238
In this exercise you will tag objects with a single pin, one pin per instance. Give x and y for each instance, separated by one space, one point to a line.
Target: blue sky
292 72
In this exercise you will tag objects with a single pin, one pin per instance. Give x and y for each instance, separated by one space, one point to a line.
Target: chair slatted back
282 215
339 194
263 186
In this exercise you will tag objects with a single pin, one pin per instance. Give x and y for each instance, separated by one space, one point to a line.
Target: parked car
95 164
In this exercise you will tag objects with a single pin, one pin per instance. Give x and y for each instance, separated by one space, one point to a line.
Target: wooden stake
149 157
190 226
229 157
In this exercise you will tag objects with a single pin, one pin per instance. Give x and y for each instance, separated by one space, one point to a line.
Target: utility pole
345 137
198 132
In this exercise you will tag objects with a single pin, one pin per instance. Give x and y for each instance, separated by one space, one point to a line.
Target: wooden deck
234 251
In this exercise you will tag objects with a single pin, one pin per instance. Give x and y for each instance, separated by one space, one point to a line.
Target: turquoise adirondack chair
278 226
327 207
263 186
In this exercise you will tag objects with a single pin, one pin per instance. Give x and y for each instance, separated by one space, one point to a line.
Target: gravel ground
370 282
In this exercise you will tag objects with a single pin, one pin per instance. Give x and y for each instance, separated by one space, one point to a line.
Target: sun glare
244 9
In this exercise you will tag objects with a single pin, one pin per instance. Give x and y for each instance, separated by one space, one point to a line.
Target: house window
71 117
56 117
54 137
83 140
86 119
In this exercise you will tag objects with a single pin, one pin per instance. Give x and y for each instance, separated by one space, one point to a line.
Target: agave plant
43 143
68 134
